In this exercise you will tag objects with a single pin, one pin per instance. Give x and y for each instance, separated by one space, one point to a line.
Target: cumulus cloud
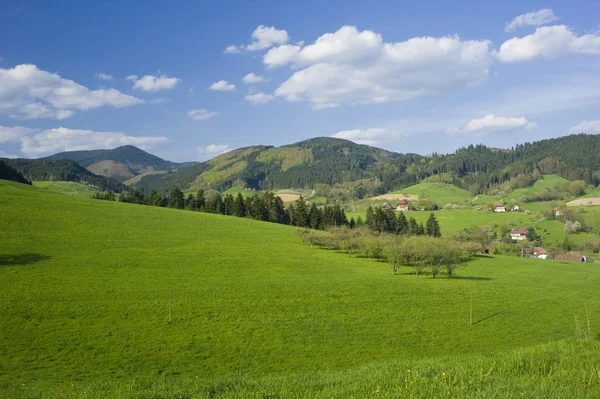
14 133
153 83
371 136
222 85
548 42
592 127
231 50
356 67
534 18
259 98
104 76
211 151
36 143
252 78
492 123
201 114
27 92
264 37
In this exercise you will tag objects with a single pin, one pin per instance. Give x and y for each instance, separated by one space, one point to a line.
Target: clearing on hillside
288 197
584 201
391 197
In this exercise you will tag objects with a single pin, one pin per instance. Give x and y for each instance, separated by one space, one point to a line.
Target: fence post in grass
471 309
170 304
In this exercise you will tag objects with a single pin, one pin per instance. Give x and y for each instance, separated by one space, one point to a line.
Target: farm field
85 286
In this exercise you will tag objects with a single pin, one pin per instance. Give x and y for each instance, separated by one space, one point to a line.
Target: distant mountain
8 173
121 163
341 168
323 160
61 170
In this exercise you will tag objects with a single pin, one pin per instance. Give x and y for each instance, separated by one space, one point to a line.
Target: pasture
85 287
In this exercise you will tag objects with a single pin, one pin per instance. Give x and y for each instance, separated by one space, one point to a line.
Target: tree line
419 252
267 207
387 221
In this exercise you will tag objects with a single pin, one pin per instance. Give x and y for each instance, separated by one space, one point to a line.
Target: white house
499 207
519 234
516 208
402 205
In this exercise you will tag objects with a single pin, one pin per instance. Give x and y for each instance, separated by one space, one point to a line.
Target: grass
84 288
68 187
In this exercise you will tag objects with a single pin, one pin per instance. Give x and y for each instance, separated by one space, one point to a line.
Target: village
518 235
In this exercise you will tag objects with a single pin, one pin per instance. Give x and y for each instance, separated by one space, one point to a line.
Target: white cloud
14 133
37 143
548 42
27 92
371 136
353 67
252 78
159 101
153 83
264 37
592 127
259 98
222 85
535 18
201 114
104 76
212 150
492 123
231 50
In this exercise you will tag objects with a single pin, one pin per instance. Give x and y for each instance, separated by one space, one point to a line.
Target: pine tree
402 224
413 227
432 227
201 200
315 217
301 213
239 206
176 198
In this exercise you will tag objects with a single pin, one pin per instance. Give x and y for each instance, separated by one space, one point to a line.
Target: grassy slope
136 179
68 187
84 285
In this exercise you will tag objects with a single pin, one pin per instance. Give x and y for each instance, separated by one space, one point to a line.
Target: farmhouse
557 211
571 257
540 253
516 208
387 205
402 205
499 207
519 234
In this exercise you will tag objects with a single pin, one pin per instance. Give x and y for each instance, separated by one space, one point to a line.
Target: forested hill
121 163
127 154
8 173
362 170
41 169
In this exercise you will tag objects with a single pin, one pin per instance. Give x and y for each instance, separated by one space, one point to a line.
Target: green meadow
85 288
68 187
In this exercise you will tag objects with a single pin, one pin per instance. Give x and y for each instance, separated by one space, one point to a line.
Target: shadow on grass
488 317
427 274
21 259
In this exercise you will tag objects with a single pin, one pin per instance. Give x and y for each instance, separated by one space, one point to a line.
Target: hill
121 163
85 288
8 173
361 171
64 170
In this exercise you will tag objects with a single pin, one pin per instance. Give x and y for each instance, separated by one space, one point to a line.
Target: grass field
68 187
85 285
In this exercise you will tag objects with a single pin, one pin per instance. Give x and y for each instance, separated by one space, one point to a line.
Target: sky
188 80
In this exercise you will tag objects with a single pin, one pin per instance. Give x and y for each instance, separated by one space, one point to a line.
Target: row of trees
388 221
267 207
419 252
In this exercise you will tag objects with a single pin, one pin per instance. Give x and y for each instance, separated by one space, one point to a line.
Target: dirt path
584 201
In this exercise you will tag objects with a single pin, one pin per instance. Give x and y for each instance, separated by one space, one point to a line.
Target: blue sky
424 77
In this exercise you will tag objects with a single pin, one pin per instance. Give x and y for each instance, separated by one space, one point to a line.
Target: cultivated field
85 286
584 201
